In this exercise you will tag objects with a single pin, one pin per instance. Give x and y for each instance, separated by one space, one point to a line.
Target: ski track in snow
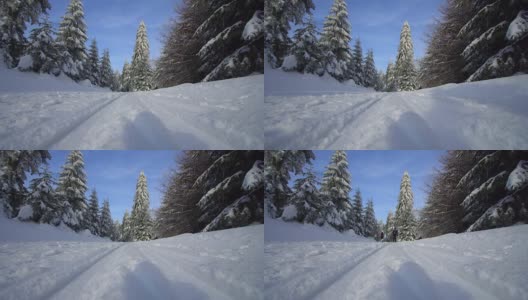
219 265
215 115
482 265
490 114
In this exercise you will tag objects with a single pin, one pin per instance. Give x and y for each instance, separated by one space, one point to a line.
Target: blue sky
114 23
378 174
114 174
378 24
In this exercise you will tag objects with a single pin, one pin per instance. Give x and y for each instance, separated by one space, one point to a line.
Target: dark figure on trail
394 234
381 236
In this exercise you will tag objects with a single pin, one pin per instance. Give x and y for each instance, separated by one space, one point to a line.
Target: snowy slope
488 264
215 265
490 114
215 115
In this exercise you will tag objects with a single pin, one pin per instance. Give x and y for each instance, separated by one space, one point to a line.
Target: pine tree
140 72
305 51
306 201
233 40
14 16
126 228
106 74
106 223
277 17
42 199
116 232
335 40
389 225
71 40
92 67
390 78
71 189
13 168
356 64
116 82
125 78
404 218
380 84
140 222
370 74
42 50
370 223
278 166
92 214
358 221
404 71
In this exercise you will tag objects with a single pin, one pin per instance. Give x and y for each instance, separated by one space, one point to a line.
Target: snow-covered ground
489 264
309 112
224 264
45 112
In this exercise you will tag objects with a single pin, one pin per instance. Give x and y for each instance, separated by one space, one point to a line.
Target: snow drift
317 113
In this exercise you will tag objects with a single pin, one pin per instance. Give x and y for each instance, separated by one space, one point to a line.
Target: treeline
329 51
310 200
212 190
476 190
477 40
210 40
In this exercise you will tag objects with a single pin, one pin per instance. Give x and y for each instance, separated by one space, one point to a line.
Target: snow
304 111
518 27
224 264
254 27
26 62
488 264
518 177
254 177
25 213
43 112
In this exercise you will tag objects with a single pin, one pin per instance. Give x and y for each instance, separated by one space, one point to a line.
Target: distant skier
381 236
394 234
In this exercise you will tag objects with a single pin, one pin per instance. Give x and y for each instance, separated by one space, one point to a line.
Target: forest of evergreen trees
473 40
207 41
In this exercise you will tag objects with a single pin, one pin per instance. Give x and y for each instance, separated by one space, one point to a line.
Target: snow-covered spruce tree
126 229
106 73
140 221
335 40
369 221
357 68
233 36
380 85
369 73
277 168
404 218
42 51
116 232
390 78
140 72
125 78
116 82
336 186
305 204
71 191
232 191
106 223
496 39
305 55
91 216
41 203
357 217
389 225
178 60
14 16
277 17
71 41
179 212
14 166
92 67
405 73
